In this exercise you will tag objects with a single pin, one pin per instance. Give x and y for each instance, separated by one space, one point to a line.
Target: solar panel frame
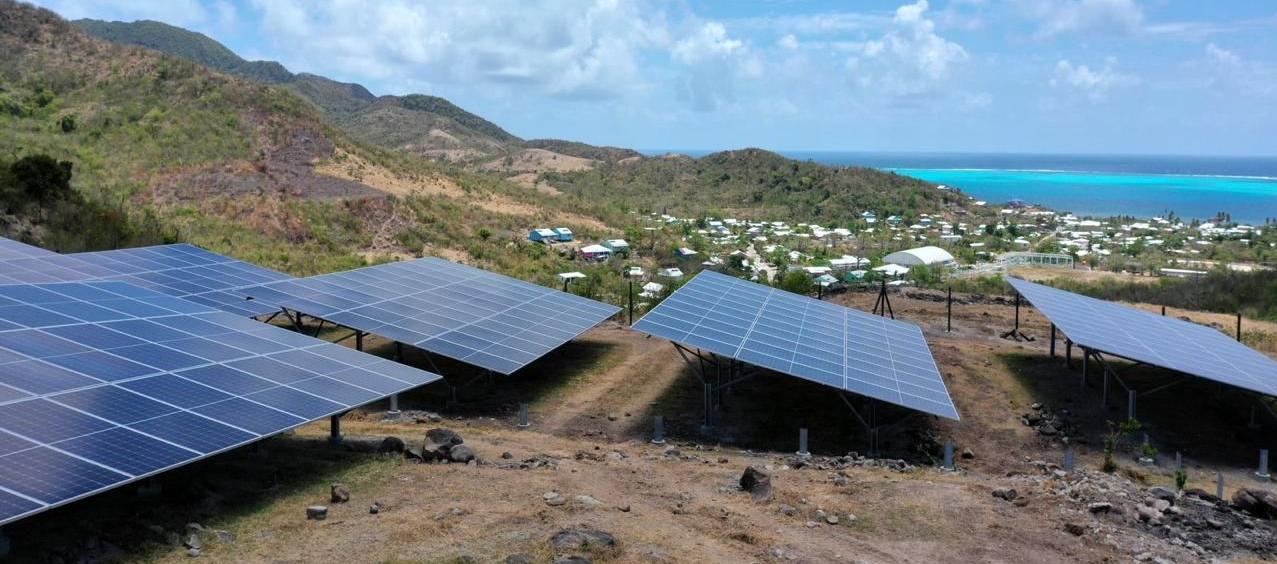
464 313
1152 339
99 425
803 337
179 270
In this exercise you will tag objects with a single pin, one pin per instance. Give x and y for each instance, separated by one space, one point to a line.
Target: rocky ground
585 483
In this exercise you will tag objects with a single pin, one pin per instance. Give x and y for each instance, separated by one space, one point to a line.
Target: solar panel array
179 270
804 337
1152 339
472 315
103 383
10 249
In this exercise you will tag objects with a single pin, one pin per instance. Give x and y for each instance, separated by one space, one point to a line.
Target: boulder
391 445
1005 494
339 494
438 443
757 483
1166 494
461 453
317 512
583 539
1202 495
1075 529
967 454
1257 502
1100 507
375 508
192 541
1147 513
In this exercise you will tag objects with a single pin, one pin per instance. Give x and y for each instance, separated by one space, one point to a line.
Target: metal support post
802 443
1085 367
631 302
658 431
1068 352
1262 472
1130 405
1053 341
948 315
334 430
523 416
1239 327
359 340
948 456
1219 485
1068 460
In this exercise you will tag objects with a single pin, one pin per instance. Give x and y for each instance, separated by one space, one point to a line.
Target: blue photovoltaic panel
472 315
182 270
10 249
847 349
1152 339
92 402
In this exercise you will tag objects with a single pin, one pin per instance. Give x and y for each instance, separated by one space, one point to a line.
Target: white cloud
1228 72
909 59
789 41
1059 17
184 13
580 49
1092 84
710 41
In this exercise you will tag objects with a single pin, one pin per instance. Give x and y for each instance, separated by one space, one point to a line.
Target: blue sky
1044 76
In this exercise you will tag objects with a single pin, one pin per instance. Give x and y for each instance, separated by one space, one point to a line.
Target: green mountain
426 125
758 184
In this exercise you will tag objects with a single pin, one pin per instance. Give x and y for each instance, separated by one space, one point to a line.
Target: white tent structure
921 256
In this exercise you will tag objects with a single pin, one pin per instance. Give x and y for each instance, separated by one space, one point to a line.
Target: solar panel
10 249
829 344
178 270
125 382
1152 339
472 315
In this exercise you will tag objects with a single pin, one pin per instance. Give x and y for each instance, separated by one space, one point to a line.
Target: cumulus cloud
710 41
1059 17
1094 85
909 59
789 41
711 62
581 48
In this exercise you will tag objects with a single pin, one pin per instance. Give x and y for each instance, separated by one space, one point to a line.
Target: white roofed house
651 290
595 252
921 256
618 246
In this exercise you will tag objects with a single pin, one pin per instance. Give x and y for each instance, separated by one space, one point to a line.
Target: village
915 251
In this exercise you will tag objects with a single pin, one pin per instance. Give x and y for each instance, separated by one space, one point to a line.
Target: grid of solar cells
103 383
804 337
10 249
1152 339
472 315
178 270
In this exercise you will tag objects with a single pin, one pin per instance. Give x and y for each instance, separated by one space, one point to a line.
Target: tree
796 282
41 179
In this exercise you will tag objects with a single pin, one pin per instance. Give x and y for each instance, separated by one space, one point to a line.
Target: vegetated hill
758 184
583 150
424 124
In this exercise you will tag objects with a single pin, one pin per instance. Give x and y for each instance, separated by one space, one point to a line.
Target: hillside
427 125
758 184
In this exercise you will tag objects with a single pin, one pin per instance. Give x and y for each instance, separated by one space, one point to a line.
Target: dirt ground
592 403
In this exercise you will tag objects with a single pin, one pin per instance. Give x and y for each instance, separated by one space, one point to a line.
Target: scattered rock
1147 513
375 508
1202 495
831 519
1166 494
194 528
967 454
587 501
841 480
611 417
1021 502
788 510
757 483
317 512
573 559
1075 529
192 540
507 456
225 537
339 493
193 552
1006 494
439 443
583 539
461 453
1100 507
623 508
391 445
671 452
1257 502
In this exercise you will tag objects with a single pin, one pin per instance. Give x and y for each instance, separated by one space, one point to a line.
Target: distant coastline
1192 187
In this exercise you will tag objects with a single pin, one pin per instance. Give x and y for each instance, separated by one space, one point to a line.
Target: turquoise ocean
1144 186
